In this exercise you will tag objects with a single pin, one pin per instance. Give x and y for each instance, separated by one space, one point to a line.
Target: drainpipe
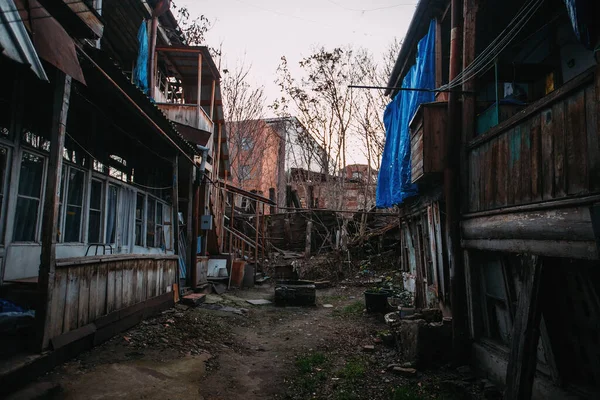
451 192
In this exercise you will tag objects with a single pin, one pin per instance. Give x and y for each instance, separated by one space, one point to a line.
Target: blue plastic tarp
584 15
394 182
140 73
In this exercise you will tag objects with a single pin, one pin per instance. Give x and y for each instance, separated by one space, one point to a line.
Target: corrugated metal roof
15 41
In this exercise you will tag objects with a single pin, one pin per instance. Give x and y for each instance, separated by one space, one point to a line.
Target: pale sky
260 32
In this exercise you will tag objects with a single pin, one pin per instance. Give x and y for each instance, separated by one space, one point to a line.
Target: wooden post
470 10
175 222
526 334
153 59
256 237
307 245
264 242
231 250
199 82
196 232
212 102
190 257
62 94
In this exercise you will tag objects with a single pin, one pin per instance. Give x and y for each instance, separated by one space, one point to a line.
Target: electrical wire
371 9
297 17
486 59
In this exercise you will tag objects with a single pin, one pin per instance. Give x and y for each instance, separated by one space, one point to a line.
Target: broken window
495 301
95 213
28 198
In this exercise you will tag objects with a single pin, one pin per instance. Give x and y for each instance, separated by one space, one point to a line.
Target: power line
296 17
371 9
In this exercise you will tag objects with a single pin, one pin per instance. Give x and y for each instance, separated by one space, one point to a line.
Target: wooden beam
526 334
175 221
152 61
212 99
62 95
199 100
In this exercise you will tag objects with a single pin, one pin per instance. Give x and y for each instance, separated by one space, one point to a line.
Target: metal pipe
451 195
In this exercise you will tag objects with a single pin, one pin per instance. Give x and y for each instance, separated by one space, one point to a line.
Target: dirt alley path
235 350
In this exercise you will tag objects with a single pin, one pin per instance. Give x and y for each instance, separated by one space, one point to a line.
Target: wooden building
99 183
509 151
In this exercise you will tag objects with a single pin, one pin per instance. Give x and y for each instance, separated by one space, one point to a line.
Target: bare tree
248 136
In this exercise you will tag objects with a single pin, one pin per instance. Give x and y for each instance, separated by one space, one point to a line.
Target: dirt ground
229 349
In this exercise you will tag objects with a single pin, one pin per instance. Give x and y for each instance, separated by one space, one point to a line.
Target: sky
260 32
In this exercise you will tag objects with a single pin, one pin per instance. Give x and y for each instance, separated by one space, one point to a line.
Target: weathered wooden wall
86 289
548 151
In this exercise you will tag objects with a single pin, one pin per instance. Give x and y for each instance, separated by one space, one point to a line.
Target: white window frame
5 189
64 187
38 226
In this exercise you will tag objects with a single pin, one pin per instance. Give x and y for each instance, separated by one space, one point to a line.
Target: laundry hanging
140 73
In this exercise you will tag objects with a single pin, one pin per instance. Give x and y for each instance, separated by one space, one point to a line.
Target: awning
102 69
50 39
14 39
193 135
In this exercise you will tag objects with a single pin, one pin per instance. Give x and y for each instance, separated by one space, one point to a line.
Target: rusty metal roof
145 102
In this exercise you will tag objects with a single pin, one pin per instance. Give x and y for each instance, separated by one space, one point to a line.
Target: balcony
184 85
548 151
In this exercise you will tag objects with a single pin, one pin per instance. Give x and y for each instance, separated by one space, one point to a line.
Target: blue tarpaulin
394 182
584 15
140 73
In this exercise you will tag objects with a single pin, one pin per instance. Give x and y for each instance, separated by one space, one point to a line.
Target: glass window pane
76 184
95 226
111 214
96 195
30 180
26 219
150 217
95 215
139 216
3 159
74 206
159 213
73 224
28 200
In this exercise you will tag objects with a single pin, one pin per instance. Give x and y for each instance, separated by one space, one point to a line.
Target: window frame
85 204
38 223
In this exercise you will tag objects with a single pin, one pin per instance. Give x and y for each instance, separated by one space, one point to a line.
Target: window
95 214
245 172
75 185
111 214
155 223
495 301
356 175
139 219
159 239
28 198
246 144
150 222
3 170
127 200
